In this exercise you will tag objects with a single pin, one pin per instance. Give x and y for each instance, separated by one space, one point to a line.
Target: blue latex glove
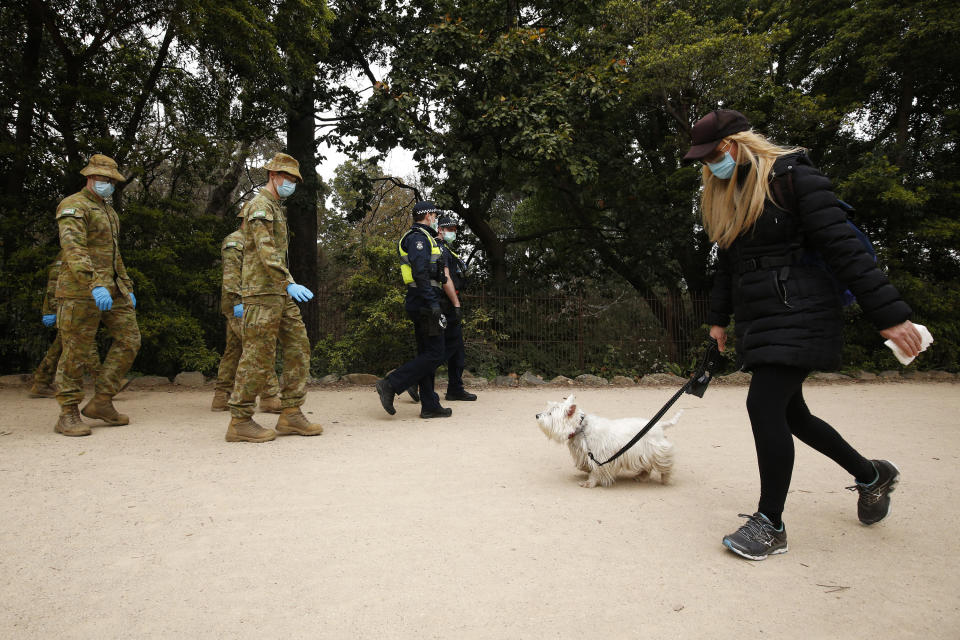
133 299
238 310
299 292
102 297
49 319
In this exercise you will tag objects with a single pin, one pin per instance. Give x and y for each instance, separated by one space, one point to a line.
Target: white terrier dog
587 433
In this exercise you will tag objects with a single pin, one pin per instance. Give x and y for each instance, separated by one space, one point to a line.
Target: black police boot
460 395
414 393
386 396
439 412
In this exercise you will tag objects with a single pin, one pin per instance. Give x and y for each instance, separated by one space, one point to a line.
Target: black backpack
814 258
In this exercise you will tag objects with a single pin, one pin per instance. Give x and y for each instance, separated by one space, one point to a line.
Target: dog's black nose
538 416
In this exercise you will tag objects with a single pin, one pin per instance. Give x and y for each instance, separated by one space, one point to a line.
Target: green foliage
380 336
172 342
482 341
552 128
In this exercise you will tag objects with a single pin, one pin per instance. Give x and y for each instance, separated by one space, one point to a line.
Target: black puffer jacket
787 312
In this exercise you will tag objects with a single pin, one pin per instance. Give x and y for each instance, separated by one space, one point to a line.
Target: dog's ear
571 410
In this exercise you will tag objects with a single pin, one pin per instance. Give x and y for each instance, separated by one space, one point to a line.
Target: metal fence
554 333
584 333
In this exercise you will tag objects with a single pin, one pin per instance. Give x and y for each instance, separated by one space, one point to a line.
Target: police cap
424 207
447 220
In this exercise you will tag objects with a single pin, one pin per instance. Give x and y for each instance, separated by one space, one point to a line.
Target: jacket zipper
780 282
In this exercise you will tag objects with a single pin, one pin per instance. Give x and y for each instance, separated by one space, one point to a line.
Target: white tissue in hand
925 341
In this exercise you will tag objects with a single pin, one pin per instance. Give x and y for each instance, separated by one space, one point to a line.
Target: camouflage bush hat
101 165
285 163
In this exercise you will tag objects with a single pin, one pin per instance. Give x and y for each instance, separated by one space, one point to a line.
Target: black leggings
777 410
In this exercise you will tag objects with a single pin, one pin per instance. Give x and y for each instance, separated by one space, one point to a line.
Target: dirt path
470 527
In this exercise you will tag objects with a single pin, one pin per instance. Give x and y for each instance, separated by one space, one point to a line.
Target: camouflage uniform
89 233
269 314
48 366
231 253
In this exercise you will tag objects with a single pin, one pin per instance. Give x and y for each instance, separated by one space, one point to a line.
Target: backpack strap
781 184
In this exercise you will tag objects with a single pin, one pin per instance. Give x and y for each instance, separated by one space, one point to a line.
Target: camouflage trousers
268 320
47 369
77 322
227 371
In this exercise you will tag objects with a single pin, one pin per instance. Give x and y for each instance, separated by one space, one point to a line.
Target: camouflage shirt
89 234
49 305
231 256
265 242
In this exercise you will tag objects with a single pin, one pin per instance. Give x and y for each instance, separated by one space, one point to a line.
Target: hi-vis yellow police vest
406 272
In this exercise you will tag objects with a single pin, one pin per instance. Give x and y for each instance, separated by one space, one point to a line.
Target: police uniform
421 269
231 258
270 315
89 238
47 369
455 353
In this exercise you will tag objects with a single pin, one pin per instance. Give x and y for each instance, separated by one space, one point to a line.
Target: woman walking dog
767 207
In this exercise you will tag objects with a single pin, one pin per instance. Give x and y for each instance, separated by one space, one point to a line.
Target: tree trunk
130 130
668 309
493 245
222 195
302 206
904 111
29 64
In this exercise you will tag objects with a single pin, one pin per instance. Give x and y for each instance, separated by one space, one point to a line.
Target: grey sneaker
874 502
757 539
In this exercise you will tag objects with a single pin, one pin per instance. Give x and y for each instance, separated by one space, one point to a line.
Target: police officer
231 305
456 273
43 377
270 313
93 287
422 272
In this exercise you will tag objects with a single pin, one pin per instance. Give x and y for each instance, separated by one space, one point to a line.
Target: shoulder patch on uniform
231 244
261 215
419 245
69 212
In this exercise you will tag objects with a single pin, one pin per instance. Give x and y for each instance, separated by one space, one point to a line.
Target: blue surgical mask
103 189
449 236
723 168
286 189
433 225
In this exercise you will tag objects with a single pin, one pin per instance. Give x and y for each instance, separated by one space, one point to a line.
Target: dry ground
469 527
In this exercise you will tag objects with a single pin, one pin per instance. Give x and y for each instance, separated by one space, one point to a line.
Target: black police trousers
430 355
455 354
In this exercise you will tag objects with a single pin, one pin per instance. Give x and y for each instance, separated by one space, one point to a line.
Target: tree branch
133 124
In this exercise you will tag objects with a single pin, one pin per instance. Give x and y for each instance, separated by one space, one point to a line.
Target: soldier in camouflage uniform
268 292
93 287
43 377
231 305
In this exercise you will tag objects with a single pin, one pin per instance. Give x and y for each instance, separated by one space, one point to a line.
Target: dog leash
696 386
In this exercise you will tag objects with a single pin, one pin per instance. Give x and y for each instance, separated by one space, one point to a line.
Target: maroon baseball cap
711 129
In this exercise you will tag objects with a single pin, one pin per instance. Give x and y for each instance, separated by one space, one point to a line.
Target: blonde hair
728 208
